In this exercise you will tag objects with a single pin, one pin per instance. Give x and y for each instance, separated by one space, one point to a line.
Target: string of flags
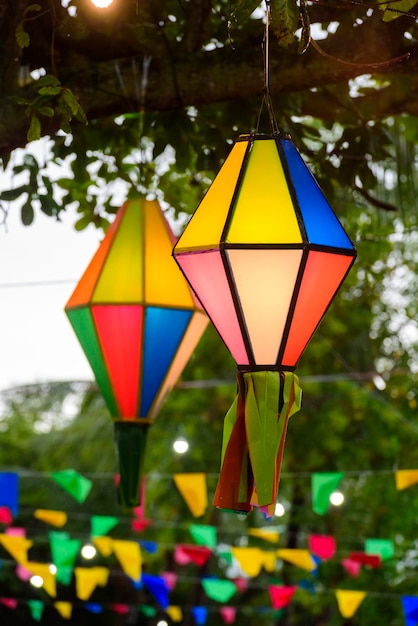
249 562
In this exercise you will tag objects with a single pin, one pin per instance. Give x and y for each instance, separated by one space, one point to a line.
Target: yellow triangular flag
175 613
104 545
129 556
300 558
16 546
406 478
268 559
55 518
87 579
349 601
64 609
42 570
194 491
265 533
250 560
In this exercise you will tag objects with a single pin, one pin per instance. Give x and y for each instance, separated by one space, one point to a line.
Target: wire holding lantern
265 254
138 323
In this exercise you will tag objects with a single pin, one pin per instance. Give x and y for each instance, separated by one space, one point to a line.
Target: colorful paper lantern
265 255
138 323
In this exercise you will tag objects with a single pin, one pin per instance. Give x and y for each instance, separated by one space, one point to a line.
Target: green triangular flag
64 551
322 487
219 590
74 483
203 535
147 610
383 547
36 608
226 555
101 524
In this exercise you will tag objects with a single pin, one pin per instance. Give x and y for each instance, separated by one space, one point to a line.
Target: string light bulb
102 4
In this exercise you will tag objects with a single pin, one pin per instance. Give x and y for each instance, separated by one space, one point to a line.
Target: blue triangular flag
9 491
157 586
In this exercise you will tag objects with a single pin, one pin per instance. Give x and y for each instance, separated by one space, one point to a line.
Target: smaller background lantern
138 323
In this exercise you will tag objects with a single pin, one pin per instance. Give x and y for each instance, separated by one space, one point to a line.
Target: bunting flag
9 491
323 546
251 560
48 579
11 603
349 601
36 608
64 609
87 579
203 535
129 556
102 524
381 547
64 551
6 516
104 545
184 554
410 610
54 518
219 590
170 580
352 567
194 491
174 613
73 483
93 607
281 595
323 485
16 546
372 560
158 588
299 557
269 534
228 614
406 478
200 615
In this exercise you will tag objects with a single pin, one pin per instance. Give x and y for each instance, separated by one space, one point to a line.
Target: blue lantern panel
321 224
164 329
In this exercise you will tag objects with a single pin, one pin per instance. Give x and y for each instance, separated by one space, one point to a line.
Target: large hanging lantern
265 255
138 323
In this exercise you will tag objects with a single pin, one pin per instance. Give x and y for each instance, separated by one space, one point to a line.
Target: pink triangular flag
228 614
6 516
281 595
170 579
323 546
352 567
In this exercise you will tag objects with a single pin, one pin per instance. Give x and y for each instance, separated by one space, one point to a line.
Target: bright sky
37 343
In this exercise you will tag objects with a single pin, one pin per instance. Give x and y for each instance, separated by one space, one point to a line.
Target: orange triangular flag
16 546
42 570
129 556
55 518
174 613
87 579
406 478
250 559
349 601
298 557
194 491
104 545
64 609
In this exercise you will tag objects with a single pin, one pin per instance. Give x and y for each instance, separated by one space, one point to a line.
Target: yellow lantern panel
206 226
263 193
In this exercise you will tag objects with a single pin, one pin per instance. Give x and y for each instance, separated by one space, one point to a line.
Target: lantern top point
260 136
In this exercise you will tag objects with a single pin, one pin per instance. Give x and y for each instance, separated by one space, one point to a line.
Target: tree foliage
148 96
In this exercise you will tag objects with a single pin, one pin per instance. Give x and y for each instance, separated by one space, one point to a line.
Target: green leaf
12 194
70 100
46 111
394 10
32 7
27 213
22 37
34 131
284 20
48 81
51 90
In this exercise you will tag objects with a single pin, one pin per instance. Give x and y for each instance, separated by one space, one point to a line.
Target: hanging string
266 89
